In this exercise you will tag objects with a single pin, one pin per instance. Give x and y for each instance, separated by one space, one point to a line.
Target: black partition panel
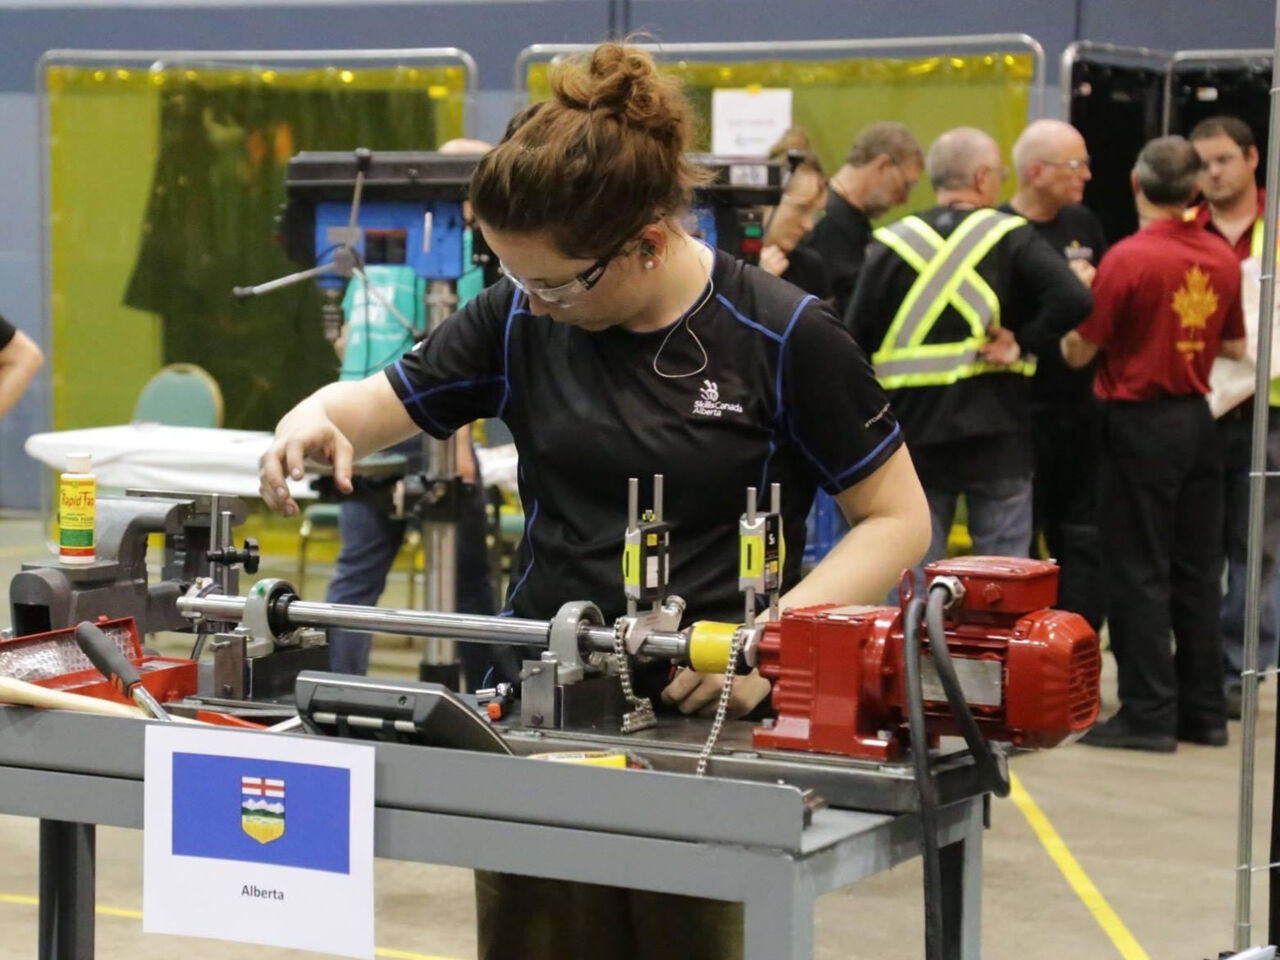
1240 89
1117 108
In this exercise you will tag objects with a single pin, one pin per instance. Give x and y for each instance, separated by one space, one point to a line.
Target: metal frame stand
776 48
67 860
1087 50
160 59
740 841
779 893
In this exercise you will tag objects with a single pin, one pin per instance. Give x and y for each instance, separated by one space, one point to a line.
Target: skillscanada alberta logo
708 403
262 808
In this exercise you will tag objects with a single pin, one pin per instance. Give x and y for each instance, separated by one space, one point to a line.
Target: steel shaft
421 623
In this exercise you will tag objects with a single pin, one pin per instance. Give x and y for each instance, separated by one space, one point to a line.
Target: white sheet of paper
747 122
259 838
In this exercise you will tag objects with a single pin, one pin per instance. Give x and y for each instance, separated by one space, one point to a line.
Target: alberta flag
233 808
262 808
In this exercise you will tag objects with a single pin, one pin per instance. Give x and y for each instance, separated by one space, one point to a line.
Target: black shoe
1205 736
1235 699
1117 733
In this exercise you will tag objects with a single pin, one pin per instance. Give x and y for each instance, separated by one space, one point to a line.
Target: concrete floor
1154 833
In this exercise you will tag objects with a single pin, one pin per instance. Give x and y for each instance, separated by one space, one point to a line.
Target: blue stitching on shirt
782 352
782 347
750 323
897 431
506 352
456 385
808 453
421 409
511 597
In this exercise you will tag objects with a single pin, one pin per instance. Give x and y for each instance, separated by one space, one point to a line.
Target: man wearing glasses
881 170
1052 163
951 304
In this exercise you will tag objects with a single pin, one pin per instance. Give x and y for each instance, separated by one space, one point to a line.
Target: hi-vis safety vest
947 276
1255 251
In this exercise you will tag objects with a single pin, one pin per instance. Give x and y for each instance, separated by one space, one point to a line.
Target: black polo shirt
840 240
7 332
1077 234
806 270
786 396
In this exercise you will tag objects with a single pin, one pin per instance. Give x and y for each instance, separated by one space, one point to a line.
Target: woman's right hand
304 432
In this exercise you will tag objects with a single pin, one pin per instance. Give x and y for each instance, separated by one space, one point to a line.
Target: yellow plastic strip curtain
163 187
834 99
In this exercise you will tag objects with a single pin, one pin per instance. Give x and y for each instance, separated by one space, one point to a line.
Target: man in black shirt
881 170
949 305
1053 166
20 358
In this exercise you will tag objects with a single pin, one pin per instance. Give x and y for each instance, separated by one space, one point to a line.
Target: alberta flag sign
262 808
260 838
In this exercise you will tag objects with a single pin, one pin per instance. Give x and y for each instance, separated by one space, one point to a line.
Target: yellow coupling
710 644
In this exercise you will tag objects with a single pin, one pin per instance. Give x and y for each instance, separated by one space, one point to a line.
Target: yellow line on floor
1089 894
25 901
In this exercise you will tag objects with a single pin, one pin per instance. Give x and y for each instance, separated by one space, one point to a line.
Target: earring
648 264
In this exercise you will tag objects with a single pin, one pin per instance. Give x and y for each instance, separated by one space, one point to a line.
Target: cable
198 647
994 776
924 781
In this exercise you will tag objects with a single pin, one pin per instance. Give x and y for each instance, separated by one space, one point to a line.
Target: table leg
66 890
962 889
779 914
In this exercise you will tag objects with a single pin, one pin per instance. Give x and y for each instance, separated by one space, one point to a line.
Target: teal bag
377 338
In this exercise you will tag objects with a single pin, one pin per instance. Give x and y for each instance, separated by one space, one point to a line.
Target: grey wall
494 31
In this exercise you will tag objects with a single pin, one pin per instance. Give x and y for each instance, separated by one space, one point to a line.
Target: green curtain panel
164 187
834 99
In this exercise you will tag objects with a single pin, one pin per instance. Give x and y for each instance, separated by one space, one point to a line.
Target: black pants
1161 524
1065 502
1236 427
529 918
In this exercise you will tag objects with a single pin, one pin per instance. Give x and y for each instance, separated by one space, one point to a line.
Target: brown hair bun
596 164
623 82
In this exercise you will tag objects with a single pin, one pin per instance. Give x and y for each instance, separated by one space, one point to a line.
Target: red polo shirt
1244 243
1163 300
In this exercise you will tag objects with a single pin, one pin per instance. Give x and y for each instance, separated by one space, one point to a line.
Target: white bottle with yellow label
77 509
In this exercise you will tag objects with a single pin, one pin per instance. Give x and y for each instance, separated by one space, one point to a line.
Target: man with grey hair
1166 302
1052 163
950 305
879 173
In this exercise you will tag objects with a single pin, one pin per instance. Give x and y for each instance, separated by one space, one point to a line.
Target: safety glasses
564 294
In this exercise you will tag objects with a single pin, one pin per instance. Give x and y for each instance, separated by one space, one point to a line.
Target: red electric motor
1029 673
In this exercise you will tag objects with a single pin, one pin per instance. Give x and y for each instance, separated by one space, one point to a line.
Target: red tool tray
54 660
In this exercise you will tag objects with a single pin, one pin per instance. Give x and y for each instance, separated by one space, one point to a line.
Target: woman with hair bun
617 345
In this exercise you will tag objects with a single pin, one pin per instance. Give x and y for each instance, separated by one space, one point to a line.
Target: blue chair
180 395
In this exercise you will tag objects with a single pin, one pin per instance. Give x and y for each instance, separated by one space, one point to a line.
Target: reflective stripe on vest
1255 251
947 276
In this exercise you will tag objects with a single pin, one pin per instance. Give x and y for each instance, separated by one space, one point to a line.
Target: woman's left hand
691 692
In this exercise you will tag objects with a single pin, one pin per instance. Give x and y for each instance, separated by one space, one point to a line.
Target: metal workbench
726 839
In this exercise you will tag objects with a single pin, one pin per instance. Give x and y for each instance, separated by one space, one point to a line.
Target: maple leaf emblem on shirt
1196 301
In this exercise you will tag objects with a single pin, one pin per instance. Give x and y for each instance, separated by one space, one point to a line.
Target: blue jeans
999 519
371 538
1236 430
